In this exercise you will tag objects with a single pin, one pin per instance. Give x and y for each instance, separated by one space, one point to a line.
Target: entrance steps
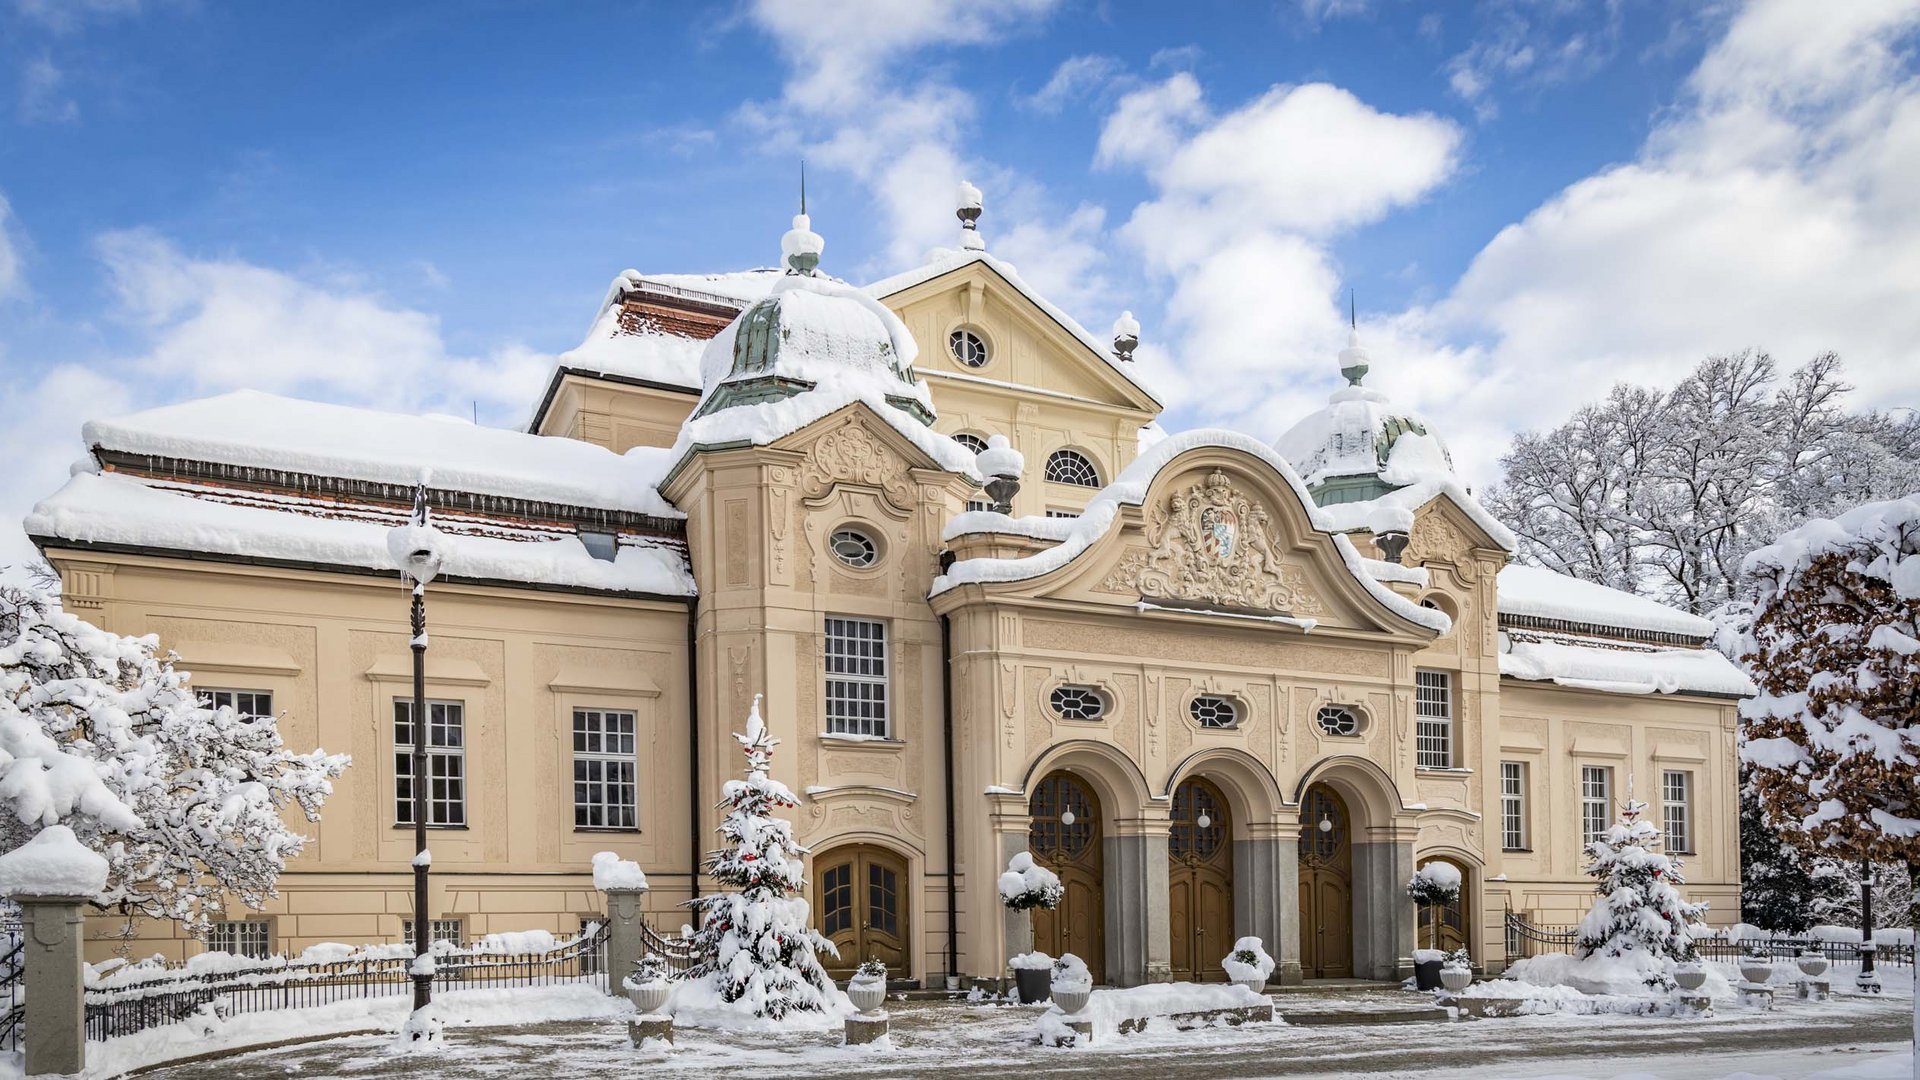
1401 1014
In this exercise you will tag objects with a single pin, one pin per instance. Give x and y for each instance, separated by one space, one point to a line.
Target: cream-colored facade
1209 718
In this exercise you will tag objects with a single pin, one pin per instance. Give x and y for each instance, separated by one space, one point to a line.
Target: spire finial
1353 358
801 246
803 185
968 211
1353 301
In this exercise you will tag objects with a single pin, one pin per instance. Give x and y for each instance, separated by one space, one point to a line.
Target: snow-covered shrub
761 951
1435 883
869 973
1026 885
1070 975
649 970
1640 921
99 732
1248 961
1459 959
1032 961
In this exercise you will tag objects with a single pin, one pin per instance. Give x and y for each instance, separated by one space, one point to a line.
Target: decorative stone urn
1690 977
1072 1001
1456 979
867 995
1813 965
649 997
1258 986
1756 970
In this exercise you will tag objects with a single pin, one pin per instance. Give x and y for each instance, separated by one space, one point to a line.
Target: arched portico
1375 856
1264 833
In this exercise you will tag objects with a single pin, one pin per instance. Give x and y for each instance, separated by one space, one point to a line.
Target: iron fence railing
13 991
1526 938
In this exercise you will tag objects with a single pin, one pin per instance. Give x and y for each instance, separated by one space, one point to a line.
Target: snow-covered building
1221 689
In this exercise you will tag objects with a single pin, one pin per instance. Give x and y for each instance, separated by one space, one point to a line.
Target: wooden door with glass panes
863 908
1326 886
1453 917
1065 838
1200 882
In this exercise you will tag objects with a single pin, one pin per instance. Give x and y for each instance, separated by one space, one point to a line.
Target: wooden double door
1065 838
1326 886
1452 918
862 908
1200 880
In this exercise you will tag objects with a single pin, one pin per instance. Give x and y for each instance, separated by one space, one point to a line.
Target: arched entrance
862 907
1065 838
1452 917
1200 879
1326 885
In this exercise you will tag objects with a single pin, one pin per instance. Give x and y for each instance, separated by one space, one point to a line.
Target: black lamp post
415 550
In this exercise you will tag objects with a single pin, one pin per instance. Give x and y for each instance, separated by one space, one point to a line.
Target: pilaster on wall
85 589
1139 932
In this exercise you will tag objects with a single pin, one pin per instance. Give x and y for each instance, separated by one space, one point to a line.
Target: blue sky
414 206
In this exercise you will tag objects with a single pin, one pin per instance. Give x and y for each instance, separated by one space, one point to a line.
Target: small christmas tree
1640 917
760 951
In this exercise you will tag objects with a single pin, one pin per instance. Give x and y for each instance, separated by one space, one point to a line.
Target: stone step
1395 1015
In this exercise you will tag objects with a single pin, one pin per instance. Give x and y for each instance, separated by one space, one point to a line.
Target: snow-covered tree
99 732
1779 889
1639 918
1833 740
761 954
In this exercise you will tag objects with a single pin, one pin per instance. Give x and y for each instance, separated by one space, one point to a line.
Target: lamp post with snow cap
416 549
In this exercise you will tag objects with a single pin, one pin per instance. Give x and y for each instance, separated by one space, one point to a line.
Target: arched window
972 442
1072 467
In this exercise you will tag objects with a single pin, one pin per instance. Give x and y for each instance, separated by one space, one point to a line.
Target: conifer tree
1640 917
760 951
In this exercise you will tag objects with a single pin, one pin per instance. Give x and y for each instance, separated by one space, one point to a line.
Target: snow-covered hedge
1248 961
1026 885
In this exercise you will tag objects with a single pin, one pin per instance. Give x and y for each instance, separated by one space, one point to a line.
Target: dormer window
600 545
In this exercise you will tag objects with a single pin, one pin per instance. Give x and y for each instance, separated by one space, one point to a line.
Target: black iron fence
13 991
1526 938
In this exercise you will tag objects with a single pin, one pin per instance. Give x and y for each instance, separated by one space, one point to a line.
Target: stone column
1266 895
625 945
1139 934
1384 924
54 927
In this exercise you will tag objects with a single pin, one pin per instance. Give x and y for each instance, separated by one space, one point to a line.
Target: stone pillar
1016 927
625 945
1266 895
1383 922
1139 935
53 927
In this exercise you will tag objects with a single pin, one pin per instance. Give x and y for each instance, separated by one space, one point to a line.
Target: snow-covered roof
120 510
1540 593
1347 436
1614 667
947 261
1130 488
1368 513
259 430
742 287
608 349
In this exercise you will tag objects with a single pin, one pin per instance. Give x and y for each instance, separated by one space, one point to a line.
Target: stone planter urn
649 997
1426 975
867 996
1456 979
1033 984
1813 965
1690 977
1755 970
1072 1001
1258 986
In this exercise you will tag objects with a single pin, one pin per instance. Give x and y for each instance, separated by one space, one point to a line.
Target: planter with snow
1756 970
868 987
1456 971
1248 964
1072 984
1433 886
648 987
1032 976
1690 976
1812 965
1426 968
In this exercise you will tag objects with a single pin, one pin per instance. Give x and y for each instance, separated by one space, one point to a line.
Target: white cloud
1529 43
40 440
1148 122
1077 78
41 99
12 278
1062 257
64 16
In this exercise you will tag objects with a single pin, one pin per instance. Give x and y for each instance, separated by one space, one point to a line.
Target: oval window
1338 720
967 348
855 548
1214 711
1078 703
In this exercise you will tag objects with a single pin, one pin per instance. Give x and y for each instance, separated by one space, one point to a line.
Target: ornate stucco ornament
1212 543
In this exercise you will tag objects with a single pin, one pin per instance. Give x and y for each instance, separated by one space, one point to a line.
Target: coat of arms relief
1212 543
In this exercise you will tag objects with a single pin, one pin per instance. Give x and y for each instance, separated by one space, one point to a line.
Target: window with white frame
856 676
446 762
244 702
1063 513
974 505
1214 711
1072 467
1077 703
1676 810
451 931
606 789
1513 805
1433 712
974 443
1596 802
241 937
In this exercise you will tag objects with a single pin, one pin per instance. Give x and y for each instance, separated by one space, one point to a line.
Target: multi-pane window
1072 467
853 547
446 762
1063 513
1214 711
1433 712
1596 802
1513 805
979 504
452 931
241 937
606 792
856 676
244 702
1337 720
1676 810
1078 703
967 348
974 443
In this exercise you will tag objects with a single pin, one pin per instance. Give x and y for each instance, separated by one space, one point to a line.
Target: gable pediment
852 447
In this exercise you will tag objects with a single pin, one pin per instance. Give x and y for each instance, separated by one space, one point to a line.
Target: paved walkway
940 1040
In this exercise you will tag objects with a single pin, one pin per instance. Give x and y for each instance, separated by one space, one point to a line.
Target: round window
855 548
967 348
1213 711
1078 703
1338 720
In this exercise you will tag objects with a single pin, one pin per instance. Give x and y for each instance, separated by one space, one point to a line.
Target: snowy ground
1854 1038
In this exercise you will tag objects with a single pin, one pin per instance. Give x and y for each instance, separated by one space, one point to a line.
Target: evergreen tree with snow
760 953
1639 918
101 734
1779 890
